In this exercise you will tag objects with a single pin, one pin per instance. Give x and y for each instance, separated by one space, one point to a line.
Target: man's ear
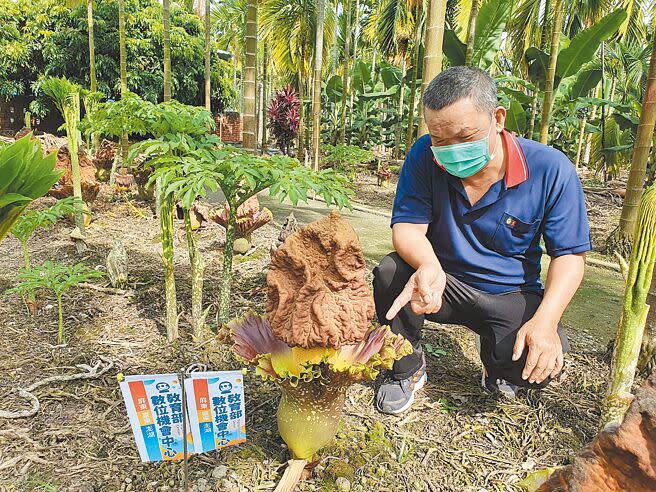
500 114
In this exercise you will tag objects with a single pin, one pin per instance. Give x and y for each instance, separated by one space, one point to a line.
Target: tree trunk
534 112
265 92
354 58
250 118
634 314
234 73
432 50
547 106
92 48
124 79
545 24
588 138
300 153
166 231
223 314
641 150
197 272
413 83
316 96
399 121
345 76
166 22
471 32
580 143
208 57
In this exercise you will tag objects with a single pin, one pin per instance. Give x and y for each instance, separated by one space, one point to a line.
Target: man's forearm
563 279
411 243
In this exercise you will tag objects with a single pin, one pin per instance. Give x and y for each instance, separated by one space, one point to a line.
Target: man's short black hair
458 83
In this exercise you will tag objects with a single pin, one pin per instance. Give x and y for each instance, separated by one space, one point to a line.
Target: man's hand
545 352
423 291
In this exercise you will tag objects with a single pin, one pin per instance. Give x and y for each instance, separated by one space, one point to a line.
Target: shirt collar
516 168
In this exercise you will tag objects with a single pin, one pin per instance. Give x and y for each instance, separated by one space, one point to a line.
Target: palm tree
289 26
265 95
347 69
641 152
92 49
166 22
471 32
250 76
418 14
208 51
433 54
228 18
123 75
316 97
559 14
396 26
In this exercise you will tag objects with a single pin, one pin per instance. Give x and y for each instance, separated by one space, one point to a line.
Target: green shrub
346 158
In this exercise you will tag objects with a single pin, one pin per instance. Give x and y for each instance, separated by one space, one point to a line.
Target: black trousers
496 318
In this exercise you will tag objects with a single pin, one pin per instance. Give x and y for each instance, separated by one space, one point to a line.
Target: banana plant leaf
584 102
390 75
516 118
362 79
584 45
537 61
490 25
25 175
454 49
586 80
334 89
517 95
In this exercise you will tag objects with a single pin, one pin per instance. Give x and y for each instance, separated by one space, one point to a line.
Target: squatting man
472 205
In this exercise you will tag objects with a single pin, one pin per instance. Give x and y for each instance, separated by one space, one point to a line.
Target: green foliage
129 115
61 91
434 351
584 45
490 25
57 278
346 158
48 37
25 175
31 220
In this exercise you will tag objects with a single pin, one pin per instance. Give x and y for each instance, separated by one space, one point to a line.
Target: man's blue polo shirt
494 246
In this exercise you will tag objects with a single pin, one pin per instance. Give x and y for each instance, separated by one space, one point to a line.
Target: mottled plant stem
226 274
197 272
634 314
166 229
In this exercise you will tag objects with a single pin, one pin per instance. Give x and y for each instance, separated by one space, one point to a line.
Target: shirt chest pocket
513 236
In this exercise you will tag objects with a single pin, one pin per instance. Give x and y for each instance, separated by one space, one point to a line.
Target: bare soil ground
455 438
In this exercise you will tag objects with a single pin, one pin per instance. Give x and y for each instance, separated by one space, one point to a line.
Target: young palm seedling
57 278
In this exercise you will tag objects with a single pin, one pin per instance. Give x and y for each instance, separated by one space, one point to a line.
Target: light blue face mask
466 159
